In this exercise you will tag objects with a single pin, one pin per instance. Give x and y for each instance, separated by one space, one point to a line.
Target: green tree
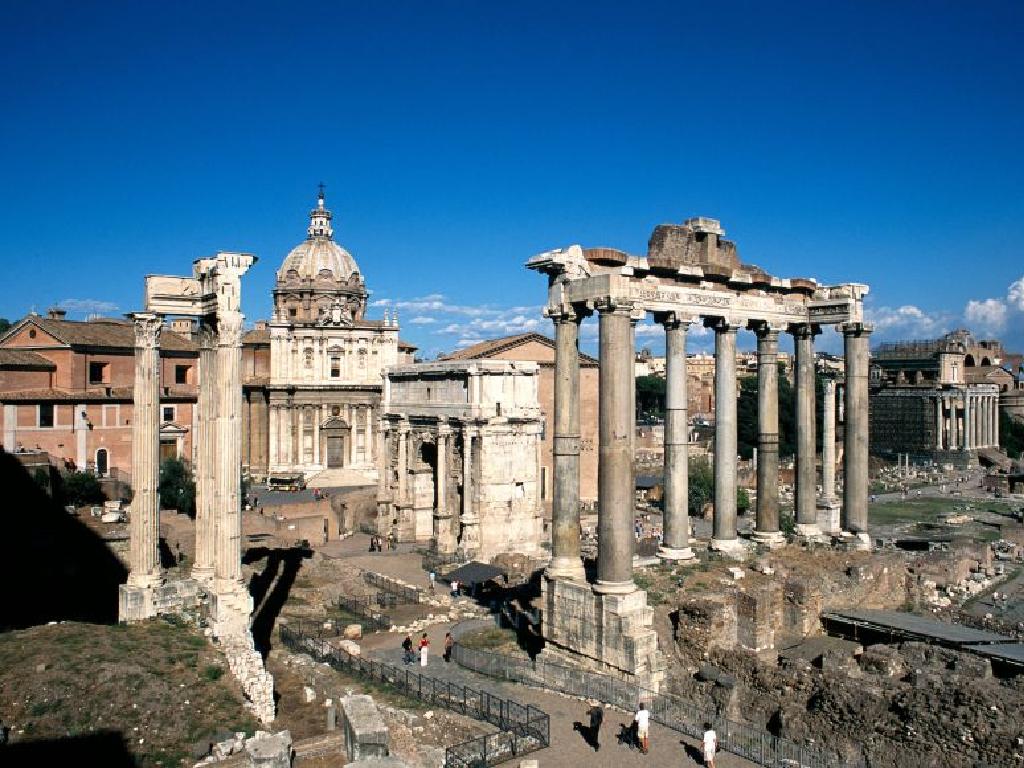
41 476
5 325
177 488
746 413
1011 435
81 489
702 488
650 396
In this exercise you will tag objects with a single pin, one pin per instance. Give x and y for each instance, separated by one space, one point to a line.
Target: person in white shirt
642 718
710 745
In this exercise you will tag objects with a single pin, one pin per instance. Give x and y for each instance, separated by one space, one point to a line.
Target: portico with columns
691 274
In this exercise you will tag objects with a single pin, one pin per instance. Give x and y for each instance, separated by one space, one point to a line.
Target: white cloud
988 315
88 306
907 321
1015 295
421 320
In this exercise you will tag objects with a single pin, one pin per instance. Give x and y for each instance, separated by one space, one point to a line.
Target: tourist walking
424 649
449 641
596 713
642 718
433 578
407 648
710 744
455 588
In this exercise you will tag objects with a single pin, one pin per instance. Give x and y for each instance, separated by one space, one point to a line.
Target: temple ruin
691 274
213 295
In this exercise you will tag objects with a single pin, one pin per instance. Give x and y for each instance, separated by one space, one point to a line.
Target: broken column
676 540
136 598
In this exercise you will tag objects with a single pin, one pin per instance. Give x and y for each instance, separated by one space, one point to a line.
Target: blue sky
875 142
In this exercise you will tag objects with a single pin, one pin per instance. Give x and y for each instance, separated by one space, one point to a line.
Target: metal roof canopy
915 627
1009 652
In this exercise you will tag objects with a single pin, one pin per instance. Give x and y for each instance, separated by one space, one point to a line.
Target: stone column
272 459
723 535
206 457
766 528
676 538
938 422
954 423
469 522
615 470
806 454
978 421
144 531
444 541
228 550
316 435
353 435
403 461
969 441
368 437
855 439
828 441
566 561
995 421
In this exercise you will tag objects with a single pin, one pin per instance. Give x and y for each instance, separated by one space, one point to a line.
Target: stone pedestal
612 633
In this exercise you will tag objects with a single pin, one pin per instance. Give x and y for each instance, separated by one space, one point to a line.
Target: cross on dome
320 218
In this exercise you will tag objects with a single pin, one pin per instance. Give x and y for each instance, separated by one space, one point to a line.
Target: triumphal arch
691 274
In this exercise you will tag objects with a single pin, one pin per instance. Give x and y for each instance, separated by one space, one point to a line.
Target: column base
734 548
135 603
145 580
673 554
769 539
614 587
203 575
566 568
230 609
860 542
828 516
808 531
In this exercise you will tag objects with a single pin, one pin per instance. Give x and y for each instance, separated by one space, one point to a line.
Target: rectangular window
97 373
335 368
543 483
168 413
181 374
46 415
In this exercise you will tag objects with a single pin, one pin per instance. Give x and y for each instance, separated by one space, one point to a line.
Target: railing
523 728
674 712
402 592
367 607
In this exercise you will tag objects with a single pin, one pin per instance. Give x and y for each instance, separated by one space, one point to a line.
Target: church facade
313 373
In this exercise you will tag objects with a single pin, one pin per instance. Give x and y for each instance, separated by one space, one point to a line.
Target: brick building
66 389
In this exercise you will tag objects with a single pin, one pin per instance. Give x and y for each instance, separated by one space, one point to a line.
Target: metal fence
402 592
523 728
675 712
369 607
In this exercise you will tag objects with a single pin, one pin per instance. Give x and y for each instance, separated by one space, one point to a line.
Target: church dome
318 257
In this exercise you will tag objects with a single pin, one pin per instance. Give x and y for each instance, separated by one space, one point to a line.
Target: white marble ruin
690 275
213 295
460 462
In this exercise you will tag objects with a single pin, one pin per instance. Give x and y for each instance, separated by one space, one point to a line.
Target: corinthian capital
147 329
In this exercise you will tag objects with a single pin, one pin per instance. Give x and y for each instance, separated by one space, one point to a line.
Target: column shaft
228 551
144 532
615 468
995 421
767 524
855 455
403 462
724 523
676 517
565 504
828 442
206 457
806 501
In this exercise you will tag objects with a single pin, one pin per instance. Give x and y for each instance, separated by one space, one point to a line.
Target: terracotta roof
106 332
486 349
981 373
257 336
25 360
117 394
407 345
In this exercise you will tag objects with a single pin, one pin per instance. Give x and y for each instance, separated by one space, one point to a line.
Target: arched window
102 462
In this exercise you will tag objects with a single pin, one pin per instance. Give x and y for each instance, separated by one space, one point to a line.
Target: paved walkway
667 748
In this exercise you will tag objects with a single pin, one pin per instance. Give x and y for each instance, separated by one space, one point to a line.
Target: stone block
270 750
353 632
366 733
